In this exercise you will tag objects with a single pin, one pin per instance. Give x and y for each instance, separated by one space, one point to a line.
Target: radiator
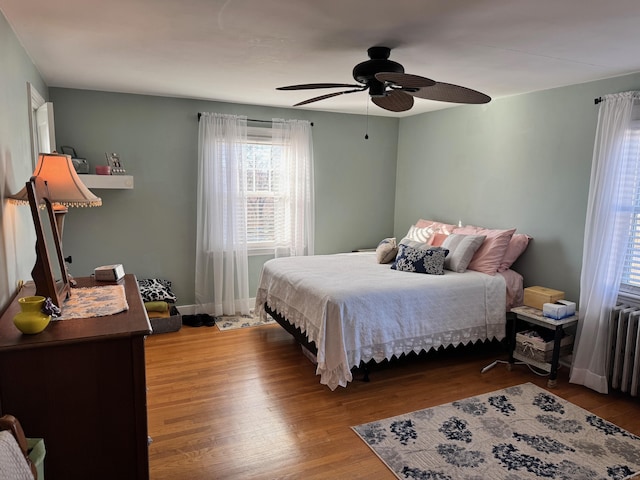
623 359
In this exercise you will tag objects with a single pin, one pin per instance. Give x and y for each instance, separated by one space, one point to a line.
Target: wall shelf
107 181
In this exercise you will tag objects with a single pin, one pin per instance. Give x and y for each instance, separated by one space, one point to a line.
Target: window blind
631 270
264 193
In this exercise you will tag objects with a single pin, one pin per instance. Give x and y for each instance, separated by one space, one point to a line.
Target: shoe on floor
192 320
207 320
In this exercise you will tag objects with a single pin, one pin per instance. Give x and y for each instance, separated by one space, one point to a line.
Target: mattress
356 310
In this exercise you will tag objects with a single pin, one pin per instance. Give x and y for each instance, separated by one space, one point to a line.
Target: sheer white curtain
605 239
222 272
296 164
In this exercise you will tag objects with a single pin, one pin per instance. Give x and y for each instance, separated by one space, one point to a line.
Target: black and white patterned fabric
156 290
518 433
419 260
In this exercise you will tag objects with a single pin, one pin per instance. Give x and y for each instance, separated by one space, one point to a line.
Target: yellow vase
31 319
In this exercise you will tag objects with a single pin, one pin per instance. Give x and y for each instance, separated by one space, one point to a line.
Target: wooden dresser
80 385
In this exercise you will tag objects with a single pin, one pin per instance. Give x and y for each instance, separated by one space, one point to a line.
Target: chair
15 463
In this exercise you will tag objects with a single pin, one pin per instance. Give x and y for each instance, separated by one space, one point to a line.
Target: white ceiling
241 50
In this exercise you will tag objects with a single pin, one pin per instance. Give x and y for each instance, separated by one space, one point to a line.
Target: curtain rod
251 120
598 100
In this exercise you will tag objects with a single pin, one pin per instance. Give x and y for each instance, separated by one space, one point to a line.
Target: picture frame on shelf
113 160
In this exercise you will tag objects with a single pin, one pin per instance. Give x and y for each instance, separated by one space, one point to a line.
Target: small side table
533 315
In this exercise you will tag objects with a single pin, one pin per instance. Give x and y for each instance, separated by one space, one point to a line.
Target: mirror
49 273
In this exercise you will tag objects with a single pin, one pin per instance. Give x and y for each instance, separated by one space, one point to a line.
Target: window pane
263 193
260 224
631 269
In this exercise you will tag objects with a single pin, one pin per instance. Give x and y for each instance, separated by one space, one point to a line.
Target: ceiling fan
392 89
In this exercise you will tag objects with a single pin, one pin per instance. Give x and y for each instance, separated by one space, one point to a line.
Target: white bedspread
355 309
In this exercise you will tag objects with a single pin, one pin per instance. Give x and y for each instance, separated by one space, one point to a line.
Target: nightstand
534 316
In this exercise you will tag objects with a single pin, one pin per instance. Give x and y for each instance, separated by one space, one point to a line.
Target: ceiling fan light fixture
377 89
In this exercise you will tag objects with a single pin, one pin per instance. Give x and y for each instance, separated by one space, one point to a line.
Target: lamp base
60 211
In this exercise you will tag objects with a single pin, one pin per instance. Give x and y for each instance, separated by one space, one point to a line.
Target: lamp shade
65 187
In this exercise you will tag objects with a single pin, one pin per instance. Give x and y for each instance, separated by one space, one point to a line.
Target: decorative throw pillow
420 234
438 227
429 260
414 244
156 289
488 257
461 249
438 239
387 250
517 246
425 230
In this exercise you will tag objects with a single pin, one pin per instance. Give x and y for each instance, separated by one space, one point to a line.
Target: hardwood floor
247 404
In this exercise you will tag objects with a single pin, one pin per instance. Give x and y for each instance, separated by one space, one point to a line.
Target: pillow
438 227
461 250
420 234
414 244
156 289
438 239
387 250
424 230
488 257
429 260
517 246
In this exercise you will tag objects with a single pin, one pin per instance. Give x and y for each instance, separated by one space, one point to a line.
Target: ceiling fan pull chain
366 133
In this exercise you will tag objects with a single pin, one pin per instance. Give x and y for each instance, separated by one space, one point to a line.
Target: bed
351 309
354 309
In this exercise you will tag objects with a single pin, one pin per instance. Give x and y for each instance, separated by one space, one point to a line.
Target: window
41 125
631 270
265 187
256 185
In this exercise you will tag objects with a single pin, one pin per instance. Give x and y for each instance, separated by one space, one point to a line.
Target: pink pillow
517 246
438 227
469 230
488 257
437 239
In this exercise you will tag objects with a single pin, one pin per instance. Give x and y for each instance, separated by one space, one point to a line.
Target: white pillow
461 249
418 234
414 244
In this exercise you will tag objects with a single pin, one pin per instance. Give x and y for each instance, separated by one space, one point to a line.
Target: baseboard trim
191 309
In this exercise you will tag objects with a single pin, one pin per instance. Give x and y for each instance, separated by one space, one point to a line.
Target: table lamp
65 187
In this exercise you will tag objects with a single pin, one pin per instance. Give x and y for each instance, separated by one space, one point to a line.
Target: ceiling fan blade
394 101
308 86
446 92
328 95
405 80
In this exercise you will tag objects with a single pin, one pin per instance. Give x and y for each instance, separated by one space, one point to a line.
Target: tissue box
536 297
109 273
571 307
532 345
556 311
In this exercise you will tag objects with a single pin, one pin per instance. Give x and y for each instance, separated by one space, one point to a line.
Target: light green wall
523 162
151 229
17 235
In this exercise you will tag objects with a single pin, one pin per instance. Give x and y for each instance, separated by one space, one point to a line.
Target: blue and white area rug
233 322
521 432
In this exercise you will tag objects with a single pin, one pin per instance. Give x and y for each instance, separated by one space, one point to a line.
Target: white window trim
41 124
260 135
629 293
